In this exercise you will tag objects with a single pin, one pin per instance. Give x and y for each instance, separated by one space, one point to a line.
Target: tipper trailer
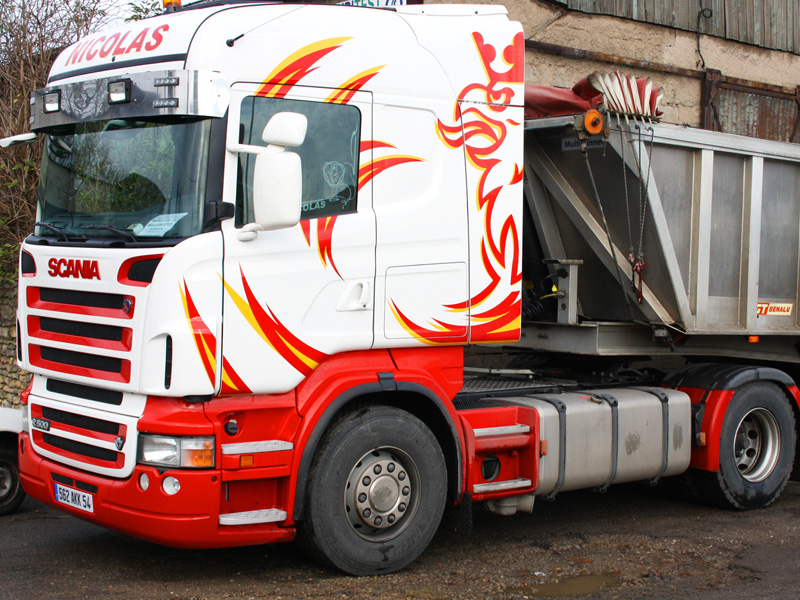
266 234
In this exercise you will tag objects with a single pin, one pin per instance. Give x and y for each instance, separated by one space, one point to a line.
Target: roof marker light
170 5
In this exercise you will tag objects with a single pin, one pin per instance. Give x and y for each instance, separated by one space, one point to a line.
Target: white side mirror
18 140
277 190
285 129
277 176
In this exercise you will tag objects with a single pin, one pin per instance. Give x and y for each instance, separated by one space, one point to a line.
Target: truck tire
376 492
11 493
757 446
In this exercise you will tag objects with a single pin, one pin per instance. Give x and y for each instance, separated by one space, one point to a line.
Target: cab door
293 297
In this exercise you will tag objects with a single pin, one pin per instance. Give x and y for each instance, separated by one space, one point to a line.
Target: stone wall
547 22
12 379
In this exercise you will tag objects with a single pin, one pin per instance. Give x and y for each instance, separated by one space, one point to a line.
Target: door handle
356 296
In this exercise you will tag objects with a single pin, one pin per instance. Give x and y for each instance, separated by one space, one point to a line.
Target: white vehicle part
18 140
10 420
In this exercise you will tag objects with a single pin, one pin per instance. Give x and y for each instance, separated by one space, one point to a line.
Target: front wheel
11 493
376 492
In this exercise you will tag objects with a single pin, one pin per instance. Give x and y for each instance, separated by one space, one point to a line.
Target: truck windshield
124 179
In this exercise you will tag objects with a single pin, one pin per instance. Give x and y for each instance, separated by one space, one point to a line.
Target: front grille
87 392
98 304
79 448
92 440
80 363
93 335
91 329
79 359
80 421
80 298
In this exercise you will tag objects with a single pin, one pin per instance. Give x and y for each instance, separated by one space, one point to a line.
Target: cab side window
329 155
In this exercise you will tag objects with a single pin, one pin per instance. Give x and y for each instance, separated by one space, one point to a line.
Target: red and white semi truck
266 234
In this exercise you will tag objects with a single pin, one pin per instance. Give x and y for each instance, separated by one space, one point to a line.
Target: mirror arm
248 149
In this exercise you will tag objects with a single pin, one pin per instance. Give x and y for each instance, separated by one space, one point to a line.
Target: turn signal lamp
171 4
593 121
197 453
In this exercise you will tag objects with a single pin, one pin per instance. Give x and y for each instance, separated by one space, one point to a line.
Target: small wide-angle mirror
18 140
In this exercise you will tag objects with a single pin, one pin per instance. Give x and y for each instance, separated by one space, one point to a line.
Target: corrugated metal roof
748 110
768 23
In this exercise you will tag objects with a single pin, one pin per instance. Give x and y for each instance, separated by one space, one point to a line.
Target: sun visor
147 95
164 40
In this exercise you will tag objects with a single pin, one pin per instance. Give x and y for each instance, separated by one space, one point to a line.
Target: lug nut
390 468
390 518
377 469
367 513
406 491
366 481
362 497
402 476
378 521
402 507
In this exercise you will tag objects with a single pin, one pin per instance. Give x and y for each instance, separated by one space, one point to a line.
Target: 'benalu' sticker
774 309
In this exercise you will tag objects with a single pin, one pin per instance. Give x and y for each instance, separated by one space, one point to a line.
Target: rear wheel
756 454
376 492
11 493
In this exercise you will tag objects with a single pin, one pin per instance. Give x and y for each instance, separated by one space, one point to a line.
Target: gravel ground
631 542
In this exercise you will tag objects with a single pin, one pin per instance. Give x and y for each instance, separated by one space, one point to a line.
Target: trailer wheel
11 493
756 453
376 492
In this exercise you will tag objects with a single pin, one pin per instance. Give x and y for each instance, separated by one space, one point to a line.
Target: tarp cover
618 93
547 101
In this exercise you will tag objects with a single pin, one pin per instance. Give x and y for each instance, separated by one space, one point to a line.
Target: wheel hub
5 480
756 446
379 493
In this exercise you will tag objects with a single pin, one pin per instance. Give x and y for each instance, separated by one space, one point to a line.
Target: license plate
74 498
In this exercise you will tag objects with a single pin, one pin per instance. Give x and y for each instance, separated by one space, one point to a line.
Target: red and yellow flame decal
455 333
324 227
206 343
347 90
300 355
296 66
367 171
481 130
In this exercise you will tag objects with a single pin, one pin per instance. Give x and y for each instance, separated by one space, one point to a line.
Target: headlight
177 452
26 424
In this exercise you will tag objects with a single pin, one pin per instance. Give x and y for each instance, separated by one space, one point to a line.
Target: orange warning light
753 339
593 121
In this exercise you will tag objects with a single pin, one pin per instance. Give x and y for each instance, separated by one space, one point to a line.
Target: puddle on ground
580 585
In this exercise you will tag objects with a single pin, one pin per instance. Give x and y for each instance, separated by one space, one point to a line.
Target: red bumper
187 519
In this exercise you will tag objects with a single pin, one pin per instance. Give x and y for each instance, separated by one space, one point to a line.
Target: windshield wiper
125 234
61 235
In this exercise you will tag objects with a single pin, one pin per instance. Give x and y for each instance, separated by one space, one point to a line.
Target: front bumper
187 519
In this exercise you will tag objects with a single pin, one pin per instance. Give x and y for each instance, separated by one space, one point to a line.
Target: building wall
550 22
12 379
